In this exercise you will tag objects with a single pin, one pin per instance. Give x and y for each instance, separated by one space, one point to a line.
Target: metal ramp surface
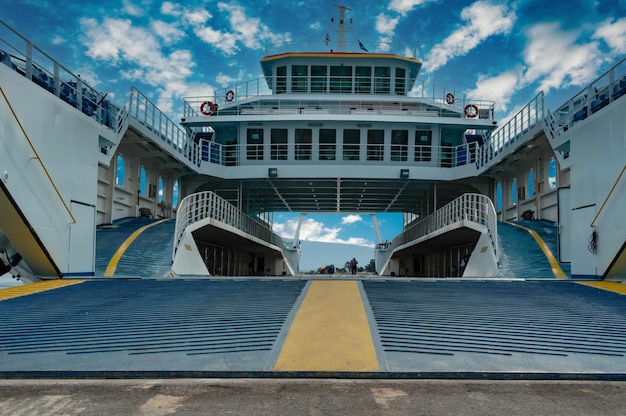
313 328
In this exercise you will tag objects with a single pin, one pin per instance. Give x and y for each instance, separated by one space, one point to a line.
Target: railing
528 117
207 204
347 91
608 87
23 56
469 207
326 153
147 113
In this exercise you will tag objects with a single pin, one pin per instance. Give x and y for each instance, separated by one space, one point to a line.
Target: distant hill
316 255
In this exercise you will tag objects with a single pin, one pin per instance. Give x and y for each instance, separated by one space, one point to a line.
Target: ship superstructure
331 128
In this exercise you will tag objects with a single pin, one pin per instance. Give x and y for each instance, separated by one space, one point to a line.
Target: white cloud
139 54
58 40
614 34
405 6
312 230
351 219
386 25
170 33
131 9
555 60
499 89
483 20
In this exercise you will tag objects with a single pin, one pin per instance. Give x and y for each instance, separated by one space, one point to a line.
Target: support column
296 237
377 229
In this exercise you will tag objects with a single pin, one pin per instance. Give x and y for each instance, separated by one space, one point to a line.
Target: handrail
470 207
525 119
54 77
207 204
30 143
593 223
329 153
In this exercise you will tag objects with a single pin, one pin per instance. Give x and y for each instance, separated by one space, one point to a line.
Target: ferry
326 129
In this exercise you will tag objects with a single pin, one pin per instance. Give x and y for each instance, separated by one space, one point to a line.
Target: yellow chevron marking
29 289
610 286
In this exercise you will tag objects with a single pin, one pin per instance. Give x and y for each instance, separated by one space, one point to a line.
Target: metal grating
501 318
149 317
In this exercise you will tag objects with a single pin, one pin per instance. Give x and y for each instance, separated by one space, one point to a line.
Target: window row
350 140
144 190
341 79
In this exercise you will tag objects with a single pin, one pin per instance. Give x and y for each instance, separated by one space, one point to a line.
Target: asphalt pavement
48 397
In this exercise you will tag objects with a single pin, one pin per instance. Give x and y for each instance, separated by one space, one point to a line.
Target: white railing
207 204
27 59
147 113
331 153
468 207
500 140
344 93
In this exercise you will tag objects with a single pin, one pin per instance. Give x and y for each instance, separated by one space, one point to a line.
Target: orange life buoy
207 108
230 95
471 111
449 99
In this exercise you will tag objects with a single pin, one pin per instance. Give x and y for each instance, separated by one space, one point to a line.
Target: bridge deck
339 327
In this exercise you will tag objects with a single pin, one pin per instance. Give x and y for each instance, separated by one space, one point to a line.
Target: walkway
316 328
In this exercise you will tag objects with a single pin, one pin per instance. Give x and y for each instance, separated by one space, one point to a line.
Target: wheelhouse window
382 75
254 149
328 144
375 144
319 78
363 80
399 145
304 140
278 146
299 78
423 142
281 79
351 142
400 87
341 79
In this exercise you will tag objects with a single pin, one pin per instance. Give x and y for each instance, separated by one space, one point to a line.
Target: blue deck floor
236 327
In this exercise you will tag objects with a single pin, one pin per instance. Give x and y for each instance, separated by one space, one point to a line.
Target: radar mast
341 27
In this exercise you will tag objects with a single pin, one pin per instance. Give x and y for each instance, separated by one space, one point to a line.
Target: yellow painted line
29 289
556 269
330 332
610 286
110 270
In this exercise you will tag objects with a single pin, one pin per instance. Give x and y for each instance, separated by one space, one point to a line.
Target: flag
327 39
362 46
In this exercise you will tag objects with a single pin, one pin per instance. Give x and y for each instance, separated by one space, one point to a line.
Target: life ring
207 108
449 99
230 95
471 111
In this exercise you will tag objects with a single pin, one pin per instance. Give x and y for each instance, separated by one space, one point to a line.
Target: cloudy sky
505 51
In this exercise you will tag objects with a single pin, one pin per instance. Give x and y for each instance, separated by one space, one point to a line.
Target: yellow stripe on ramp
610 286
110 270
330 332
556 269
29 289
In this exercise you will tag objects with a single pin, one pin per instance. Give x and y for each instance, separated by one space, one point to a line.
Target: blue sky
494 50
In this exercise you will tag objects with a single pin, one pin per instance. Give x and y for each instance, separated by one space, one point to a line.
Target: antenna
341 30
